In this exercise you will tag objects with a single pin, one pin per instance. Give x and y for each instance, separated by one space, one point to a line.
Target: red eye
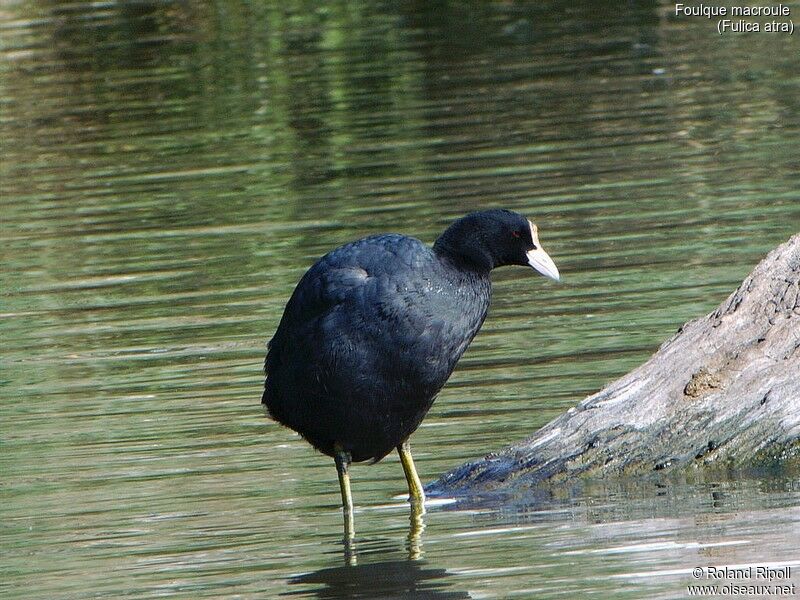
516 234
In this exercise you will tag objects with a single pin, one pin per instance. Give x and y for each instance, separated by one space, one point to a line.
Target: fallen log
723 391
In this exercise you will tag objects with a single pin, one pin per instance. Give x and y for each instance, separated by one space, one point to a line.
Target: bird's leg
416 494
342 459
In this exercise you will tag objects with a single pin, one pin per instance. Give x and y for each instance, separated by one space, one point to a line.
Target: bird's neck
463 251
469 283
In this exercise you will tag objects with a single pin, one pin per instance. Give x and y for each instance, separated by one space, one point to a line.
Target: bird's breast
454 315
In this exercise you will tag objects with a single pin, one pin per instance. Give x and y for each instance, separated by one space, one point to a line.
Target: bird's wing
355 275
362 306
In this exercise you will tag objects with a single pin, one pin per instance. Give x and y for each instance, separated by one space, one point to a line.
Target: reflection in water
413 540
389 579
415 530
169 169
309 87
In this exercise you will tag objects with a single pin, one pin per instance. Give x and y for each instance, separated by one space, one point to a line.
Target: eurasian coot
374 329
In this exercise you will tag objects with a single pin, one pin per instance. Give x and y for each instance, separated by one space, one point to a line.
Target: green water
169 170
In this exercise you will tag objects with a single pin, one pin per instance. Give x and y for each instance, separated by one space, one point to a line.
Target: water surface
169 170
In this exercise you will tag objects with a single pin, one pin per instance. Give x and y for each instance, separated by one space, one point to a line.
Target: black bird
374 329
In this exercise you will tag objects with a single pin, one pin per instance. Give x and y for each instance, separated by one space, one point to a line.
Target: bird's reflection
386 579
415 529
413 541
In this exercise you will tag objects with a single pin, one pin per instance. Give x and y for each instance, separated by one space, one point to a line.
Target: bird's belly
351 387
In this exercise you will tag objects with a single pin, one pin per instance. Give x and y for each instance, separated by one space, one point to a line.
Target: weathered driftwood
725 390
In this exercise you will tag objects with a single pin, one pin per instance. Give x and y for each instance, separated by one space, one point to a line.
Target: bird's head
488 239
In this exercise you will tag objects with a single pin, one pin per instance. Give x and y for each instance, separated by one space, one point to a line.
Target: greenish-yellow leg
342 459
416 494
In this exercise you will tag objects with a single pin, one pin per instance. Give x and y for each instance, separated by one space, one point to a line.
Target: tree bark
724 390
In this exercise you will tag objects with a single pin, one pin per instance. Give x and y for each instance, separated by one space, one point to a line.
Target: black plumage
374 329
